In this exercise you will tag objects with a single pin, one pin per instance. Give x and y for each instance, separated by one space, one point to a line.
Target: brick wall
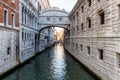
11 8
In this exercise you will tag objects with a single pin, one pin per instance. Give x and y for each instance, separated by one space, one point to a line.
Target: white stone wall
28 28
54 14
99 36
8 38
27 43
54 17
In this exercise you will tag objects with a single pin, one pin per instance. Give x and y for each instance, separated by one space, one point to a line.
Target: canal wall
87 68
95 36
99 67
13 65
8 49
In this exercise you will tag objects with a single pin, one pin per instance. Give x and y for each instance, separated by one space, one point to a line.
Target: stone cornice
77 5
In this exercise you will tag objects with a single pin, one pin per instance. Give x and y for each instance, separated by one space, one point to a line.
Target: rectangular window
118 60
82 26
88 48
119 11
89 23
76 46
22 14
23 35
8 50
89 2
12 20
5 18
39 7
73 18
77 28
102 17
81 46
82 9
100 54
26 16
77 15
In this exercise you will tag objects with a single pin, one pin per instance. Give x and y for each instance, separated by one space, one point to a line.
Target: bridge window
48 19
60 19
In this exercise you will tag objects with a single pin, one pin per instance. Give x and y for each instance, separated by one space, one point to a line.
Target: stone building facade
44 4
28 10
46 34
19 30
9 34
95 36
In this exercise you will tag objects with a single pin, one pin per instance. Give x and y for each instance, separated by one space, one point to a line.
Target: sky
63 4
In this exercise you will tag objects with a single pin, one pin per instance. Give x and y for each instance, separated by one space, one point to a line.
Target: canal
52 64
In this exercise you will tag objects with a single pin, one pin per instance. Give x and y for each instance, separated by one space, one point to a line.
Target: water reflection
52 64
58 63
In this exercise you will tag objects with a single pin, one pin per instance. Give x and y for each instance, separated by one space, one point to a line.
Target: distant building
45 5
95 36
9 34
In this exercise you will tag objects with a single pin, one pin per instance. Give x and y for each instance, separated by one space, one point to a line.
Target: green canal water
52 64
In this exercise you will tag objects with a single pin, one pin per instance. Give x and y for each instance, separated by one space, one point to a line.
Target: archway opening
52 35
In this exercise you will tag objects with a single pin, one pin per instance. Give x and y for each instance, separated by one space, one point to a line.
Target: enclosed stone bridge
53 17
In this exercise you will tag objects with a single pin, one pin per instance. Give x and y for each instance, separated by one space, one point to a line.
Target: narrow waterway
52 64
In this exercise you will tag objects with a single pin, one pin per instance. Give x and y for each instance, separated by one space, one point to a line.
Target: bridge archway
54 17
54 26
